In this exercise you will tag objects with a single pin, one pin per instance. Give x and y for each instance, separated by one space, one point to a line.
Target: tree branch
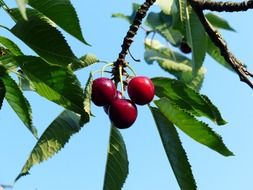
217 39
223 6
140 14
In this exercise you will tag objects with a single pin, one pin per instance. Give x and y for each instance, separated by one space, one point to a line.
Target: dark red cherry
141 90
122 113
118 95
185 48
103 91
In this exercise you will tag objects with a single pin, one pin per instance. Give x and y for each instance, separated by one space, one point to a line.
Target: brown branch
223 6
217 39
140 14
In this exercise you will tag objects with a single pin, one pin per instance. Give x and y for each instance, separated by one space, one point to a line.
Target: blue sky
80 165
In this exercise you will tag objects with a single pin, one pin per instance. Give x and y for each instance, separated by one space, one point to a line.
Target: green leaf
24 83
218 22
52 140
87 95
87 99
18 102
175 151
2 93
197 39
174 63
22 8
121 15
167 6
8 62
214 52
117 162
62 13
161 23
197 130
57 84
45 40
85 61
129 18
10 45
186 98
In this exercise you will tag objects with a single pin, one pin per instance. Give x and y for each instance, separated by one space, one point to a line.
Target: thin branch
140 14
7 9
218 40
220 6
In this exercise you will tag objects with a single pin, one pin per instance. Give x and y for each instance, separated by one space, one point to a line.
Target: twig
220 6
140 14
217 39
7 9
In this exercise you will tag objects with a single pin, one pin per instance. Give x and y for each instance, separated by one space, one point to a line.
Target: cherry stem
121 80
131 69
103 69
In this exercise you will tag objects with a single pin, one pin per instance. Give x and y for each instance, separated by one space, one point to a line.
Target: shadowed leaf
44 39
18 103
56 10
52 140
218 22
174 150
116 170
2 93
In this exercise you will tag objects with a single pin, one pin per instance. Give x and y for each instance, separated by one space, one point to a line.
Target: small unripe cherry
103 91
122 113
185 48
118 95
141 90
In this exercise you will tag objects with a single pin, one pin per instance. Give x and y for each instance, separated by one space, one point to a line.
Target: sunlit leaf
24 83
161 23
197 130
174 150
167 6
87 99
186 98
174 63
57 84
62 13
8 63
22 7
10 45
85 61
18 102
116 170
52 140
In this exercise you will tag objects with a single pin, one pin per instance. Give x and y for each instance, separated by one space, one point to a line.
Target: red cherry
118 95
122 113
103 91
141 90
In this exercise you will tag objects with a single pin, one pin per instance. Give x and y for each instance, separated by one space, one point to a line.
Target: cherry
185 48
118 95
103 91
141 90
122 113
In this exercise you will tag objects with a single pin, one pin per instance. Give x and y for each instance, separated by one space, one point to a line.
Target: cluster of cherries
121 111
